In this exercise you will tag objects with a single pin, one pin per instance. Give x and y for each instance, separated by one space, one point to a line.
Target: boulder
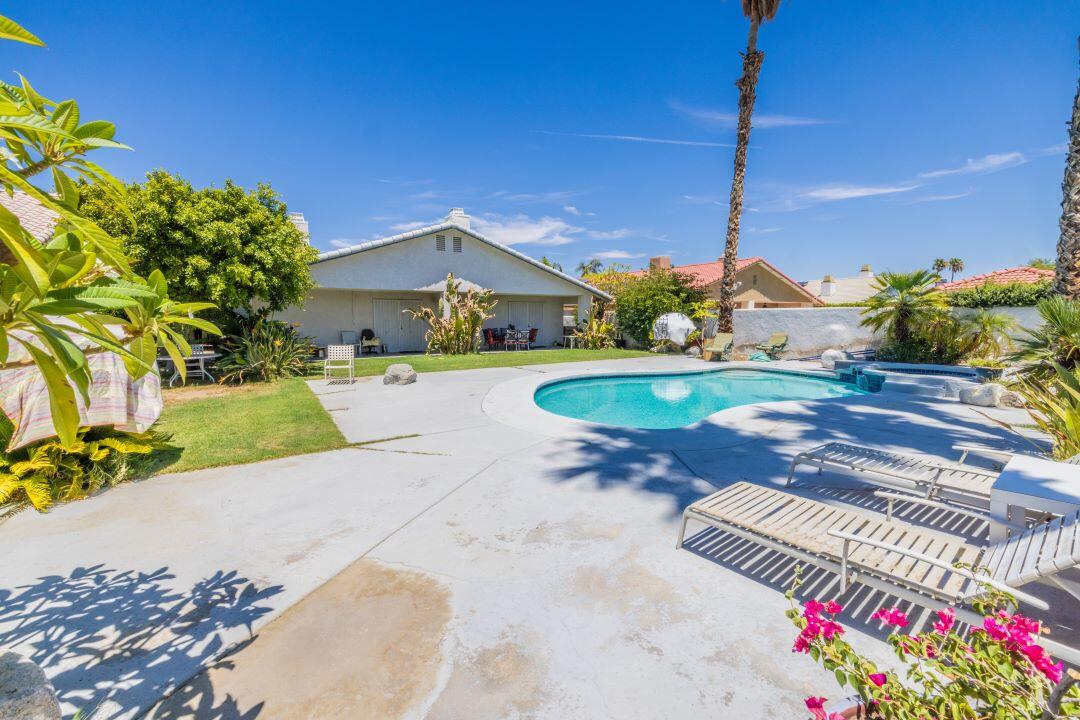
693 351
399 374
985 395
1013 399
830 356
673 327
25 692
952 388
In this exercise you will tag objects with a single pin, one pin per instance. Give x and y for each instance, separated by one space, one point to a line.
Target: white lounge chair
911 562
932 478
999 458
339 357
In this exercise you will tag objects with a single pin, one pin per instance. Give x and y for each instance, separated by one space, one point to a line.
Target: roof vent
458 217
661 262
828 287
865 271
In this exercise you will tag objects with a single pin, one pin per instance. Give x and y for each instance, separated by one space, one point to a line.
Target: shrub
1054 405
903 302
267 351
997 670
454 329
1056 341
1008 295
44 473
945 338
646 297
597 333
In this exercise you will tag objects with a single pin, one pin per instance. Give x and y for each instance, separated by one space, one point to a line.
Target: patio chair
532 338
348 337
967 484
913 563
718 346
338 357
370 343
774 346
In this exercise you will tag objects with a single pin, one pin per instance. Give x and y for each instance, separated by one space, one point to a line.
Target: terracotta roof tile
35 218
712 272
1023 274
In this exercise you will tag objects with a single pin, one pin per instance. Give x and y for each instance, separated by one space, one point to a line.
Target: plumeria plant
994 672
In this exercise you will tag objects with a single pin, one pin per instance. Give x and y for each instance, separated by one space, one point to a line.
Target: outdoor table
570 341
198 360
1030 483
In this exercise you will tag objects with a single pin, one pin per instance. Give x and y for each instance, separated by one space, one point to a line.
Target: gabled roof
35 218
845 290
383 242
1023 274
712 272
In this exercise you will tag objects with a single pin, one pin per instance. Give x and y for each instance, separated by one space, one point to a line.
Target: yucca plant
454 328
47 472
597 333
267 351
1056 341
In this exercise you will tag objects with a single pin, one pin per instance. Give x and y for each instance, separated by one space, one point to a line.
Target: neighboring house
837 291
758 283
371 285
34 217
1023 274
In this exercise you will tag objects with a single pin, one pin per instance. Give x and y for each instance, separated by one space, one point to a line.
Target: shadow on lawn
119 639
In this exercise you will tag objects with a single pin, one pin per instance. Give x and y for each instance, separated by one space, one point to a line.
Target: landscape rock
399 374
985 395
830 356
25 692
1011 398
951 388
693 351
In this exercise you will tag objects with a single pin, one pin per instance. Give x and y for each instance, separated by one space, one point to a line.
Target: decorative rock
830 356
25 692
1013 399
399 374
674 327
693 351
952 388
985 395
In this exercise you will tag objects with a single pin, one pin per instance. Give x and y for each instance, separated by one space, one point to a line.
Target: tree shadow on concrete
119 640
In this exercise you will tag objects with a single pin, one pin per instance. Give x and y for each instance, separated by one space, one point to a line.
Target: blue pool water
658 401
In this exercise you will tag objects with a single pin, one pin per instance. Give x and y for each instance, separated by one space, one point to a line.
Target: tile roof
712 272
1022 274
35 218
383 242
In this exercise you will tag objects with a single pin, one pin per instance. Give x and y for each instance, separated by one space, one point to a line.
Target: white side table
1030 483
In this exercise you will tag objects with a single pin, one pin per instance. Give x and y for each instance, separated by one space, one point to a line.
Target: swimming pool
670 400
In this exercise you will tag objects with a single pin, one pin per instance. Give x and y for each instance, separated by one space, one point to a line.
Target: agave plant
454 328
267 351
1056 341
902 303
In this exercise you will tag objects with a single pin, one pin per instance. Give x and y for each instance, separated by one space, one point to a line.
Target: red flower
891 616
945 621
878 679
815 703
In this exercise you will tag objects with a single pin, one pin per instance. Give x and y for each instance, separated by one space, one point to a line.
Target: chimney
661 262
866 272
298 220
828 287
458 217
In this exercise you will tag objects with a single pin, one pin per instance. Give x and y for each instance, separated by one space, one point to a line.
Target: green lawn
216 425
377 364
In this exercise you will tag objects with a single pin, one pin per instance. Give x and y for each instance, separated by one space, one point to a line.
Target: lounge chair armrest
920 500
963 572
999 456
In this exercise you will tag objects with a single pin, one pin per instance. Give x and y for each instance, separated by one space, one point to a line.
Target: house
838 291
371 285
758 283
1024 275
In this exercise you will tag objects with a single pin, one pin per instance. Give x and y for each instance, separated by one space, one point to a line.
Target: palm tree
940 264
757 11
551 263
589 267
1067 275
1057 340
955 265
903 302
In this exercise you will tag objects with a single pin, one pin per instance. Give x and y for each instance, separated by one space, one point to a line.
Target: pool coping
512 403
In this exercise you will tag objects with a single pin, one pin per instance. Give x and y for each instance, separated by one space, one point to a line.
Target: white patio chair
913 563
338 357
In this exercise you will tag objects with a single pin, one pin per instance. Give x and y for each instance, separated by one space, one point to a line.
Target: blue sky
890 132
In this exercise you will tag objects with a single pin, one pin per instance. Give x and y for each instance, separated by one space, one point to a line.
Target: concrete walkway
454 566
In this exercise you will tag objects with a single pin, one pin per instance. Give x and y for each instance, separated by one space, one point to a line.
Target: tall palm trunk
747 85
1067 272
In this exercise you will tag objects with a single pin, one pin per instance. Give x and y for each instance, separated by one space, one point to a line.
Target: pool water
665 400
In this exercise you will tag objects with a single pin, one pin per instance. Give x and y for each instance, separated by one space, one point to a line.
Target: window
755 279
440 243
457 244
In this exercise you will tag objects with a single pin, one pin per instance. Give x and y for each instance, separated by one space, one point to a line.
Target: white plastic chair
339 357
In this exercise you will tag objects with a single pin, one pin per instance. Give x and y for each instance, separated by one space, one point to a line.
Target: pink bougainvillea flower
891 616
1026 624
946 620
815 703
813 608
878 679
832 607
995 629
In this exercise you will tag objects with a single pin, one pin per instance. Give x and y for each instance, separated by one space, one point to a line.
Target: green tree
551 263
955 265
589 267
642 299
939 265
234 247
1041 263
79 282
902 303
757 12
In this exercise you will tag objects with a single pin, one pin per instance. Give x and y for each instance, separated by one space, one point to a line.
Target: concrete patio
453 565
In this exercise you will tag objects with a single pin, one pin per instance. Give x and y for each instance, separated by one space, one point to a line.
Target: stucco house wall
762 286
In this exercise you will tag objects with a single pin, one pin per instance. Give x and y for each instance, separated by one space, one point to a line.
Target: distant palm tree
589 267
955 265
1067 274
940 264
757 11
550 263
1041 263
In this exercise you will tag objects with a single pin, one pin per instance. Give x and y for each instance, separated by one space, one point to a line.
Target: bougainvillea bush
997 671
